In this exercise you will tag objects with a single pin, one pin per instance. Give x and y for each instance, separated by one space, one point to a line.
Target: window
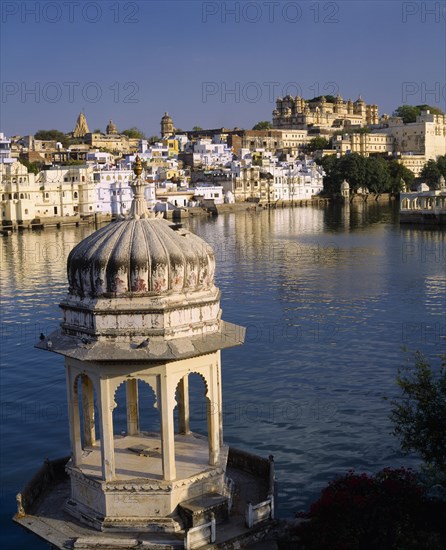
26 210
75 194
22 196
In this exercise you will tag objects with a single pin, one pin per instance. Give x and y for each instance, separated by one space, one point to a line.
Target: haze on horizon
211 64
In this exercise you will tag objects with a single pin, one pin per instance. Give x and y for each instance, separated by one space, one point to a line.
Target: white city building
5 150
113 192
298 181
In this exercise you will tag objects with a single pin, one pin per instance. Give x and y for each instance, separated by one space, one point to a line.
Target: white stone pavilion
142 309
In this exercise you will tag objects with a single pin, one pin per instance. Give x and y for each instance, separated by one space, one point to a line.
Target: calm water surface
329 297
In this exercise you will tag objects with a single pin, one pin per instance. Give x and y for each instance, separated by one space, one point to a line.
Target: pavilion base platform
138 499
43 509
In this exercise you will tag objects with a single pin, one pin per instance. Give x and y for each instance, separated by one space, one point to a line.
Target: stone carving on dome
141 254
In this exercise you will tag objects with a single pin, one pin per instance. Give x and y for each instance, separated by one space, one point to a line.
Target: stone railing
51 472
263 510
199 536
259 512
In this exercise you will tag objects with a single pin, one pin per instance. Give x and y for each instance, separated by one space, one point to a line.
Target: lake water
329 297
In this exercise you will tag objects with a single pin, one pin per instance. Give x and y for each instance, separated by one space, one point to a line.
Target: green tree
353 168
431 173
134 133
377 175
318 143
441 165
409 113
333 177
52 135
153 139
262 125
399 172
197 129
419 415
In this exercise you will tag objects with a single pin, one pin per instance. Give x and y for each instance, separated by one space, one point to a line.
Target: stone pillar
213 417
183 406
165 406
131 395
106 406
220 398
88 411
74 418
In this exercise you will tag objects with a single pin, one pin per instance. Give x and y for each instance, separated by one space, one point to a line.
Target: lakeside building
417 142
424 206
56 192
270 180
413 144
298 113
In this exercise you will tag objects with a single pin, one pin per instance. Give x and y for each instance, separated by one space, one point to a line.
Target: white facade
207 153
57 192
113 192
208 192
296 182
5 150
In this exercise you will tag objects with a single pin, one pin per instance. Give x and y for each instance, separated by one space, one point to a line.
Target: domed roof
166 116
142 255
111 128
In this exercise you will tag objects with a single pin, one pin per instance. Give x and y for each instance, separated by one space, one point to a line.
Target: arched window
46 195
75 194
22 196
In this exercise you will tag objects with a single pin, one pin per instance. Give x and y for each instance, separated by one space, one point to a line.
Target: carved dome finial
137 167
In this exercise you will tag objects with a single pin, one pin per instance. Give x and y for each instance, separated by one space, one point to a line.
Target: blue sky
211 63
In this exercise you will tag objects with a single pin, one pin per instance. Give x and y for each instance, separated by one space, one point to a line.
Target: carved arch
201 375
121 381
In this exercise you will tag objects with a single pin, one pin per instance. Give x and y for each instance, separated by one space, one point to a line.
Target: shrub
419 415
388 511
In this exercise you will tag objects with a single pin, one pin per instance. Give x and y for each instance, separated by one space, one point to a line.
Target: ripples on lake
329 297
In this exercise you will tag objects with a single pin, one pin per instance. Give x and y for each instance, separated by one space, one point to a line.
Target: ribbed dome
140 256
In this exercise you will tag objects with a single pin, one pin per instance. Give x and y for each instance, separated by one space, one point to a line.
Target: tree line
377 174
